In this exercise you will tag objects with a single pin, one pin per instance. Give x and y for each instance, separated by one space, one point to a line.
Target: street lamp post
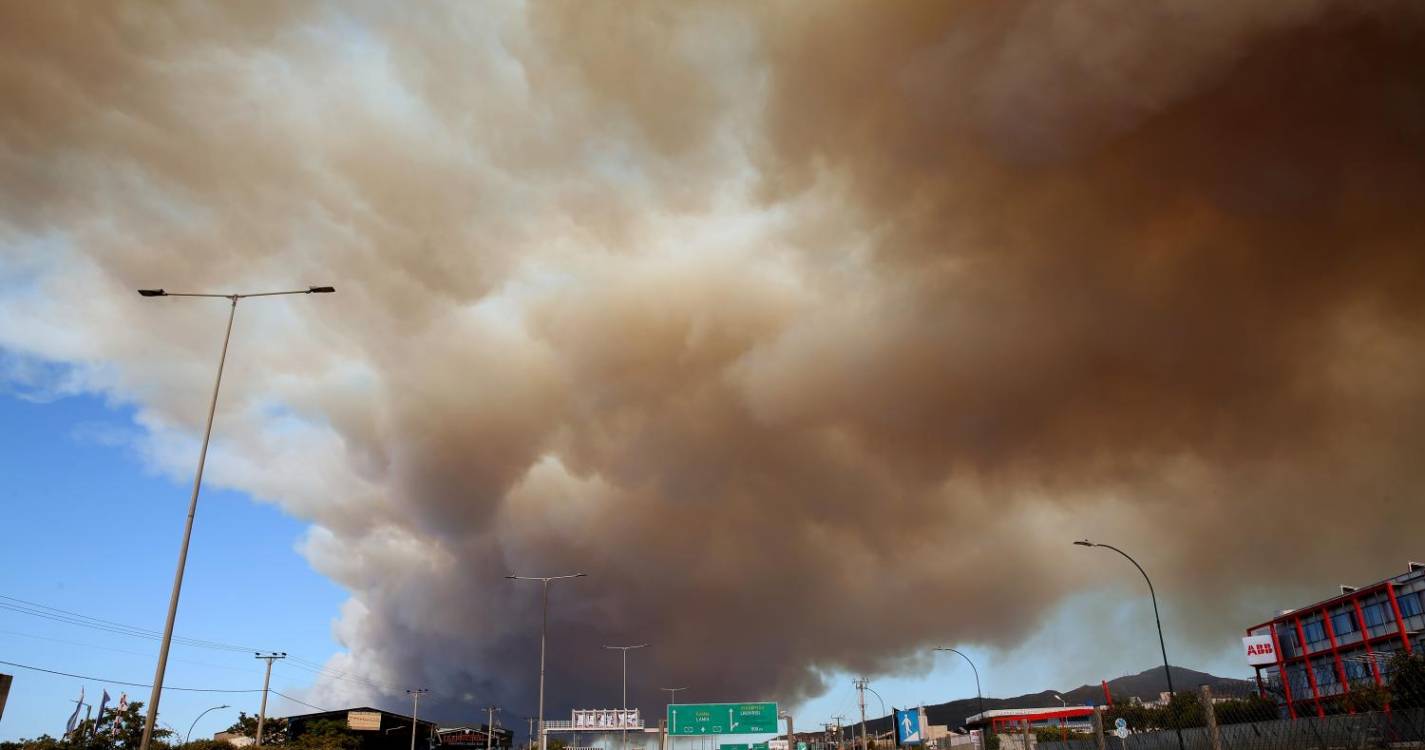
157 691
189 736
1167 671
670 740
978 695
543 633
623 718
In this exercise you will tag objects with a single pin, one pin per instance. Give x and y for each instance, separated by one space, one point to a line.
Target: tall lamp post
1167 672
157 691
189 736
670 740
543 632
623 718
978 695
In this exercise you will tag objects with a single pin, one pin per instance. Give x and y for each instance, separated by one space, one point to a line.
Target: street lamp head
320 289
153 293
1084 543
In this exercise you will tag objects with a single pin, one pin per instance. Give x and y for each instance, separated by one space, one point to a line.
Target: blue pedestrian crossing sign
908 727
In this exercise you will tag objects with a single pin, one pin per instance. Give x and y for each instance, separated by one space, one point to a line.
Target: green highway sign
722 718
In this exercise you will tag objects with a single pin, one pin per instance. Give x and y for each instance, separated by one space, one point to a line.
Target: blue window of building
1343 623
1376 615
1286 636
1409 605
1325 675
1314 631
1358 671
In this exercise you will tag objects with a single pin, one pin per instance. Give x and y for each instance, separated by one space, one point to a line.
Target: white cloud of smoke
769 317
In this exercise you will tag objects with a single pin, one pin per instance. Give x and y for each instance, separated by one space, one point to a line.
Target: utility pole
415 711
840 739
861 692
490 727
530 719
266 680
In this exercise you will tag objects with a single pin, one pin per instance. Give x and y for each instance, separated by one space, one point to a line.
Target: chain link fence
1380 704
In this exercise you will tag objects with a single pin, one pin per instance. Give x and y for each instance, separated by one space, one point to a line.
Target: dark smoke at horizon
750 311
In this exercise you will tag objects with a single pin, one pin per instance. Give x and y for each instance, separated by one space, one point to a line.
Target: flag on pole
119 718
99 718
74 717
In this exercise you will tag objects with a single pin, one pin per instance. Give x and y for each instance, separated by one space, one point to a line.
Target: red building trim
1310 673
1399 619
1328 603
1281 671
1370 655
1336 654
1335 650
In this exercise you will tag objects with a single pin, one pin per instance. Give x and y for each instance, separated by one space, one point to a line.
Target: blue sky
88 529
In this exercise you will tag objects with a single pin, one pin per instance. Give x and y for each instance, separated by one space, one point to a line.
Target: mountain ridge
1145 686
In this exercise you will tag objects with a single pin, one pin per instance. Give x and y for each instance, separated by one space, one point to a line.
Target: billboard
476 737
615 718
363 720
1260 650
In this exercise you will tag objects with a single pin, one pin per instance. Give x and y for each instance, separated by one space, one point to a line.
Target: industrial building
1324 649
376 729
1002 720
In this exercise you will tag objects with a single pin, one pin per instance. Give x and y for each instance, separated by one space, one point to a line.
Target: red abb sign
1260 650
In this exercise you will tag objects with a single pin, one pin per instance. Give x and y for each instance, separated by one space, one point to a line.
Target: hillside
1145 685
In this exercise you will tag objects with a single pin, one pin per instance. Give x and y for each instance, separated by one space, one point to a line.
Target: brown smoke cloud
767 317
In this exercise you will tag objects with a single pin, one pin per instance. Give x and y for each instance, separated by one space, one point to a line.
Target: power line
122 682
56 614
294 700
325 671
148 655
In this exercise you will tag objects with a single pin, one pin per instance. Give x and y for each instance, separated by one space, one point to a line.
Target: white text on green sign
722 718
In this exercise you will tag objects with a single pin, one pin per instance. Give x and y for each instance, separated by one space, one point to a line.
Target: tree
1245 710
324 735
1407 680
128 736
274 731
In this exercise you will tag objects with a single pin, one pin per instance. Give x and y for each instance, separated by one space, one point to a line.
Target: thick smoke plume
769 317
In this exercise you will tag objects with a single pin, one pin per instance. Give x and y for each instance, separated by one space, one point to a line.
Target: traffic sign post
908 726
722 718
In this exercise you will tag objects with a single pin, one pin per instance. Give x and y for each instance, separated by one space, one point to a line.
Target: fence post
1210 714
1098 737
1027 728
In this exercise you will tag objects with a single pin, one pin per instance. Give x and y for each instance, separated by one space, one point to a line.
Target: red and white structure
1318 652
